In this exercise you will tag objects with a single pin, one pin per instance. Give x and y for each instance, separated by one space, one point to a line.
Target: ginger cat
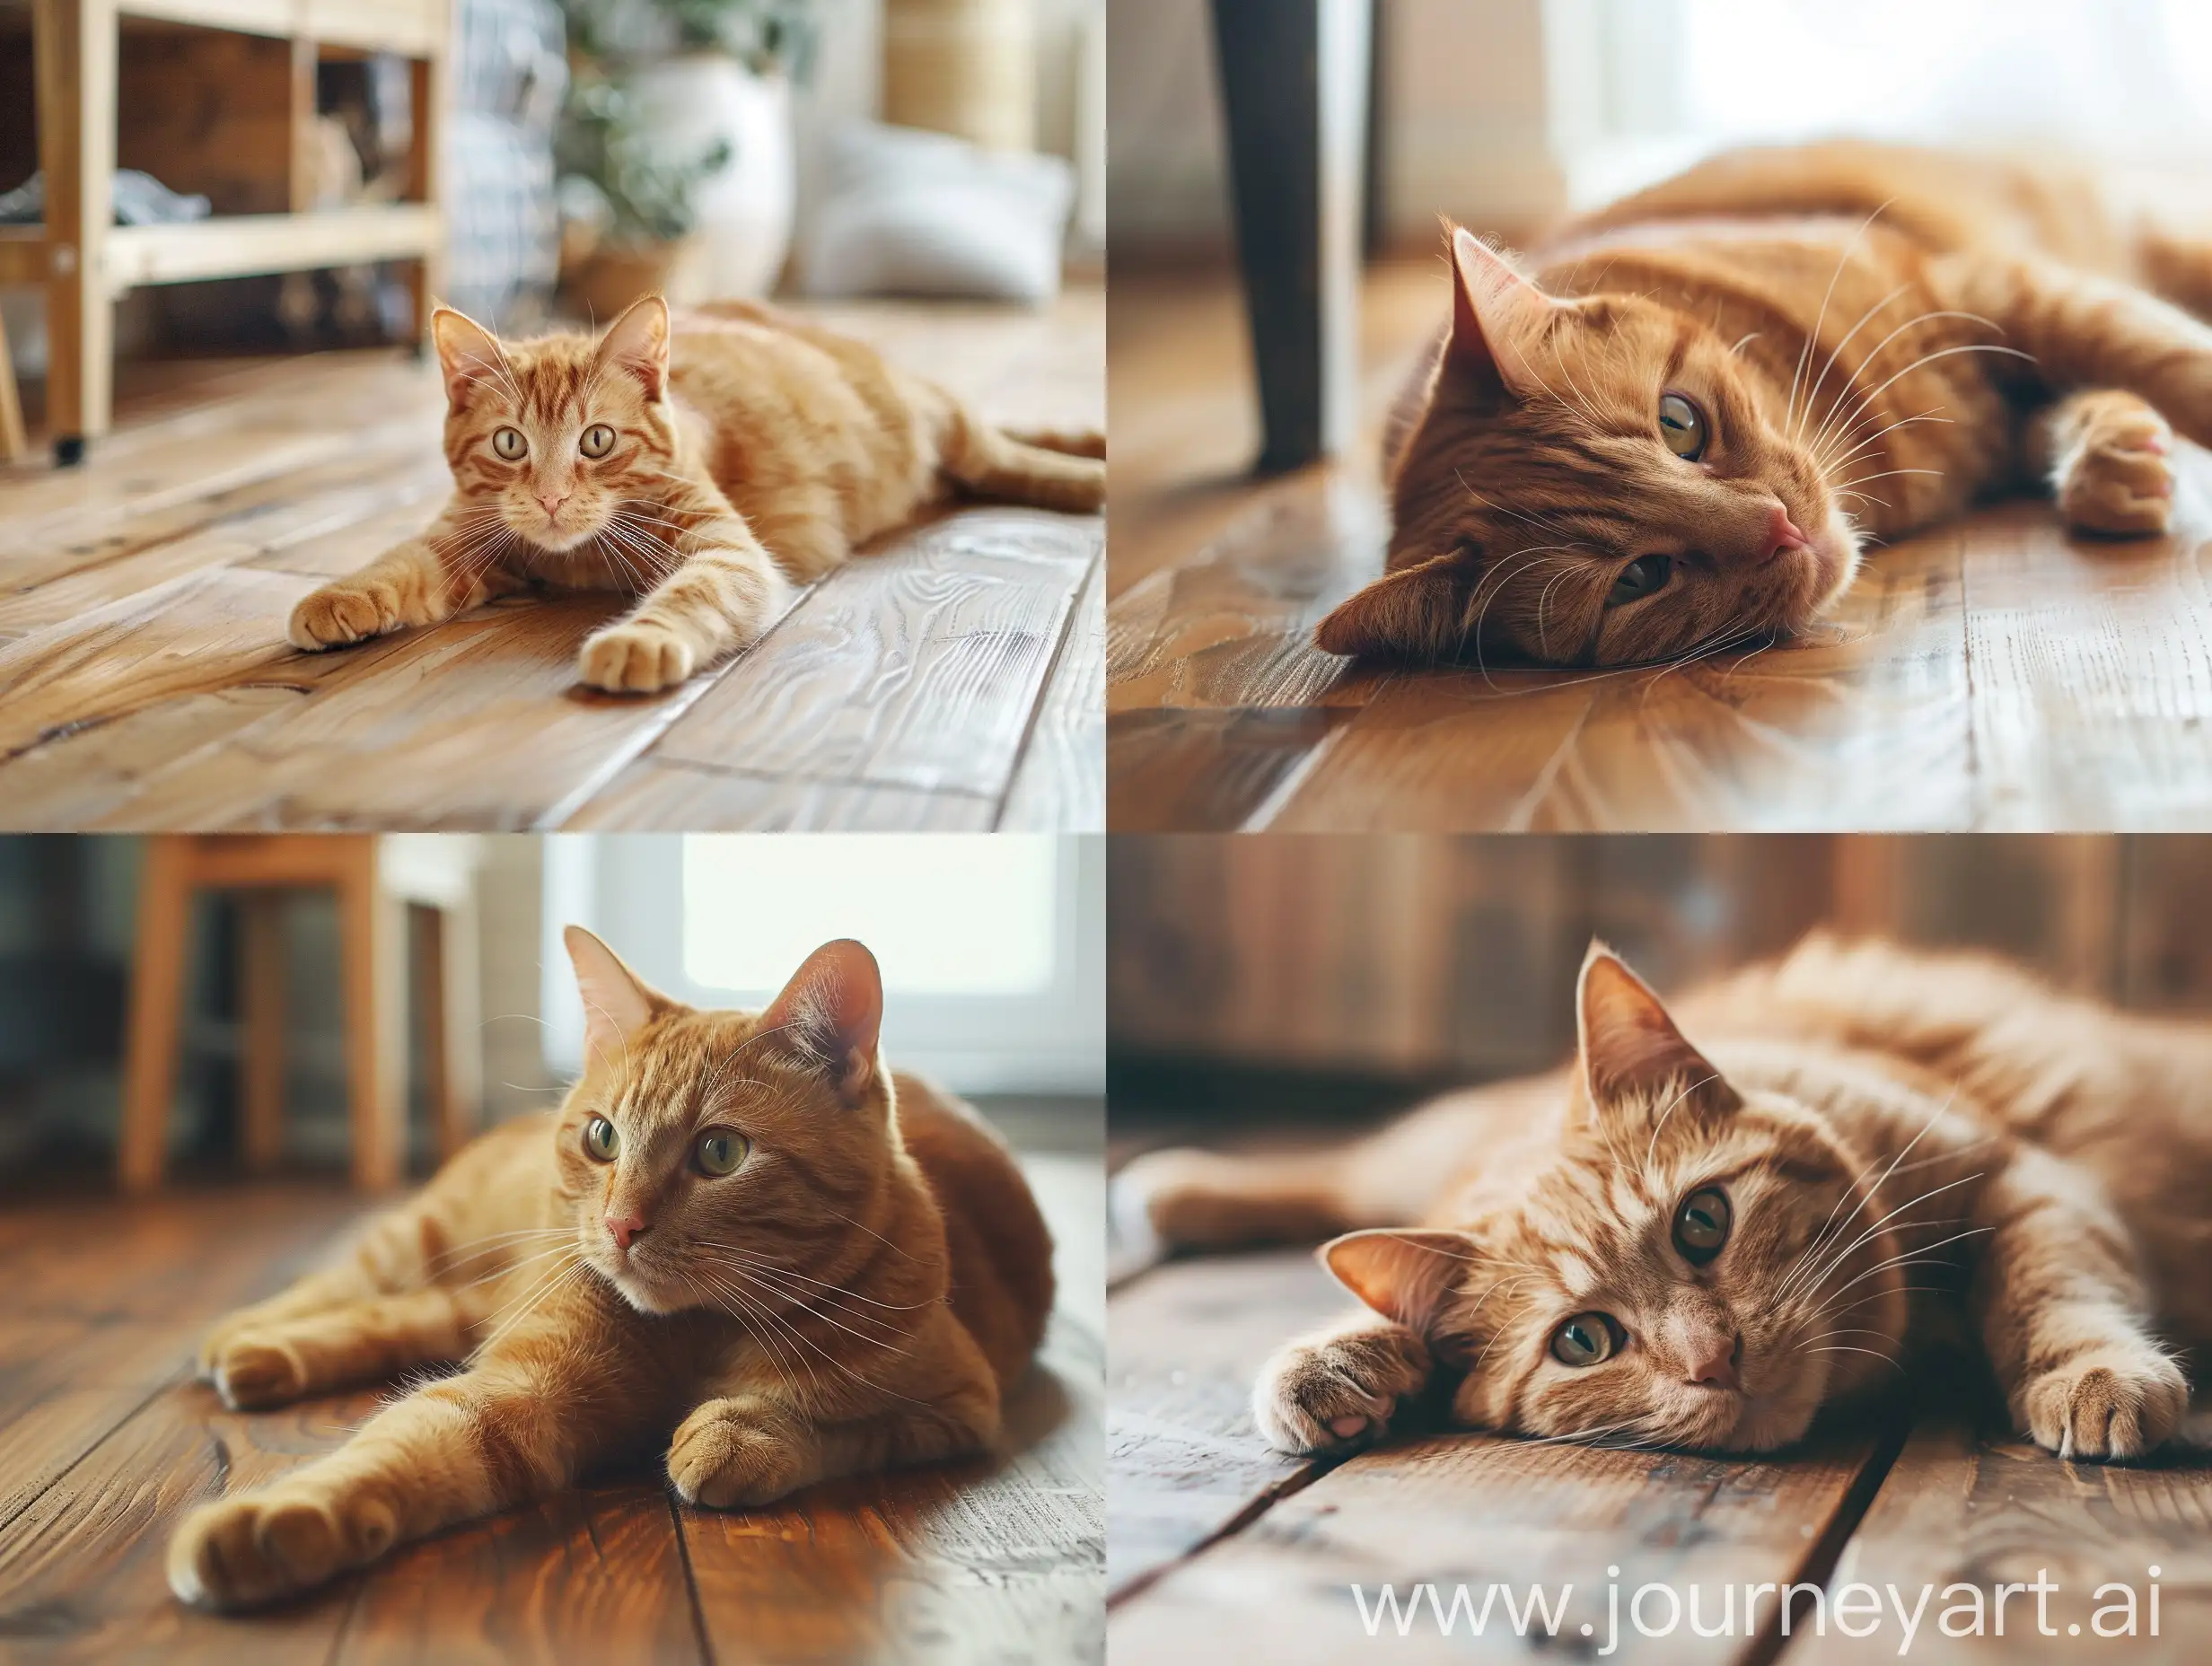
1675 425
1700 1236
705 467
741 1240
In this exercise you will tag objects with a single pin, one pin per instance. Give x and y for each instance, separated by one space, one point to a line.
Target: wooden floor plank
654 795
1478 1511
916 666
132 1292
1967 1506
1186 1460
1059 784
588 1577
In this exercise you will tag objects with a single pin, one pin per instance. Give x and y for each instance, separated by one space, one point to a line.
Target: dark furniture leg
1294 93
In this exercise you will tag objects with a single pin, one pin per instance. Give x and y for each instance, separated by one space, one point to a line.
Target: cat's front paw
338 615
2119 478
731 1454
1323 1395
251 1375
635 658
239 1553
2112 1402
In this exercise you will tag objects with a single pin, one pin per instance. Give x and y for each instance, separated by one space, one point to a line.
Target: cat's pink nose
551 503
1711 1362
625 1227
1782 534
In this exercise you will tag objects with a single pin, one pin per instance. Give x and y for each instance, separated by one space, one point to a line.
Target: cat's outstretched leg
2107 456
1340 1387
409 584
724 594
523 1421
2086 331
2066 1319
281 1360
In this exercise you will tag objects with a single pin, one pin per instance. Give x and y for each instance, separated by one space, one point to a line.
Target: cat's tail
1187 1200
1069 442
995 463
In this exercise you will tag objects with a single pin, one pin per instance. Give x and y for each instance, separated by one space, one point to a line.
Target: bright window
945 913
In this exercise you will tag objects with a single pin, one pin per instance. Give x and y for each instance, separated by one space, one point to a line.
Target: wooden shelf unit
85 260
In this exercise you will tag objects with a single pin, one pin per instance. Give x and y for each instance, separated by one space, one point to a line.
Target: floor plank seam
1822 1561
174 1380
1268 1497
690 1582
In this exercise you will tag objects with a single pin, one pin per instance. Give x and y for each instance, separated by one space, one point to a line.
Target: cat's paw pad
251 1375
1318 1396
240 1553
338 615
2119 478
635 659
726 1460
2110 1403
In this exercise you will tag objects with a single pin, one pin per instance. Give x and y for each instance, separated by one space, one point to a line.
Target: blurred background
1257 981
992 951
586 152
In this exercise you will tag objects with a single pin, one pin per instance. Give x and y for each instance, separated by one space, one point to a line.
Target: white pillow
908 213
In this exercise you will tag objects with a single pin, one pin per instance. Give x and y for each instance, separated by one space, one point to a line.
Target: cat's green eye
601 1140
1702 1225
1647 576
720 1152
1682 427
1586 1339
598 440
509 443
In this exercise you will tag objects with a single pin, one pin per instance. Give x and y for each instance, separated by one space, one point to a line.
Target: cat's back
1938 200
1000 1247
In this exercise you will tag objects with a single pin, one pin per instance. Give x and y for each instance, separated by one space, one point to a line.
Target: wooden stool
376 881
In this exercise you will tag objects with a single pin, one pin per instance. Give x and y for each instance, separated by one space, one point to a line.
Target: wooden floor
104 1442
1996 674
1219 1549
951 679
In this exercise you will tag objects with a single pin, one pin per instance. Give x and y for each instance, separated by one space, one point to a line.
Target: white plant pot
745 209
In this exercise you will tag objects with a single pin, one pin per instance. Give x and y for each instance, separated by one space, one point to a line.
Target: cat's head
720 1159
1593 481
1698 1267
561 440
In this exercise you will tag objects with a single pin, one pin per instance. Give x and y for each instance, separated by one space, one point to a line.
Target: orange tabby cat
705 467
1703 1242
741 1239
1678 424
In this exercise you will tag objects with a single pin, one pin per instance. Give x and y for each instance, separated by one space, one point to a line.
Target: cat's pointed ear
468 353
1401 1274
1497 316
1417 612
617 1003
636 343
1627 1046
833 1011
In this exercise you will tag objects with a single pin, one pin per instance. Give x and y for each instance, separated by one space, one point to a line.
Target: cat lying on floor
1675 425
1703 1243
741 1241
705 466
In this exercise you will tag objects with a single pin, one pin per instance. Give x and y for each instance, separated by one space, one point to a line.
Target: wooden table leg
1294 82
261 986
373 946
451 1025
73 44
426 179
156 1011
13 441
